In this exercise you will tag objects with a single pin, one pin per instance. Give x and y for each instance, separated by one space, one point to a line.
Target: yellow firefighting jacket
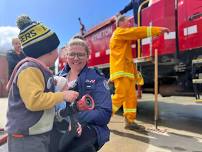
121 59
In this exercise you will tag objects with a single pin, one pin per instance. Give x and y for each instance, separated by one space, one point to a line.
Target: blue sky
59 15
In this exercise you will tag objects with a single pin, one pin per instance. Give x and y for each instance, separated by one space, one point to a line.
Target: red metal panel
161 13
151 2
62 59
98 42
190 24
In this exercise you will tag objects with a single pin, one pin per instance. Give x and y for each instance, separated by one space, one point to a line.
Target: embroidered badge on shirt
90 84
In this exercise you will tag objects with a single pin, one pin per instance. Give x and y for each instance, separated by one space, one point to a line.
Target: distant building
3 75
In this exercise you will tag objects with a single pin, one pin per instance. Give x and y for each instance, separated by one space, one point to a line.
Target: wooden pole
156 88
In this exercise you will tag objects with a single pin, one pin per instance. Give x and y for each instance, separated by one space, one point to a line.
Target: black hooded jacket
13 60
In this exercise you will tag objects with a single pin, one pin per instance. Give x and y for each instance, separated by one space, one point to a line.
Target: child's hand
70 96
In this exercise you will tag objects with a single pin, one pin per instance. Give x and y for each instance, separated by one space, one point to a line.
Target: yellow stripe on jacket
121 58
31 87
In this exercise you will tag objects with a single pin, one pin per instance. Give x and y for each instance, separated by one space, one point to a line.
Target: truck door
160 13
190 24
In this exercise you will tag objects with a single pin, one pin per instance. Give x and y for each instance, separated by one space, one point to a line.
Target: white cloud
6 35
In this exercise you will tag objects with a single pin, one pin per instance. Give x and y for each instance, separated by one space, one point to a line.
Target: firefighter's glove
139 79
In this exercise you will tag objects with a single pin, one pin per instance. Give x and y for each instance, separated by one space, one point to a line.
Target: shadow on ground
173 115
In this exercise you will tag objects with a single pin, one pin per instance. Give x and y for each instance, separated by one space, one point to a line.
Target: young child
32 99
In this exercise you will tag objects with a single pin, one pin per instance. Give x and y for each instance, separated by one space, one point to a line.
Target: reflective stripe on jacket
121 58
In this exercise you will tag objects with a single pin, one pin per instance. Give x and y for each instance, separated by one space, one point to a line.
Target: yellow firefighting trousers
125 94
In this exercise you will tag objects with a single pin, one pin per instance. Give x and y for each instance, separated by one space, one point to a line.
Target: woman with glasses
94 132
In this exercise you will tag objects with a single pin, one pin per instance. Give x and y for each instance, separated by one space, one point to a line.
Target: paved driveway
179 127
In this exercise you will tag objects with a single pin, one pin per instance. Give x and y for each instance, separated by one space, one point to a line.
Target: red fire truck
179 51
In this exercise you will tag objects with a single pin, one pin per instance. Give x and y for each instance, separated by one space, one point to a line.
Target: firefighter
31 99
122 69
133 4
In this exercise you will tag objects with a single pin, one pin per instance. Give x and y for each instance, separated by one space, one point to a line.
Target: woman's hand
79 129
70 95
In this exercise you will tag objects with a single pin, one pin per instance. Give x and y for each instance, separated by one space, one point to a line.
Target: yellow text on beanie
35 37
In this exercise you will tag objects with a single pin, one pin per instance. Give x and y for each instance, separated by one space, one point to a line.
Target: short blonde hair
119 19
80 42
15 39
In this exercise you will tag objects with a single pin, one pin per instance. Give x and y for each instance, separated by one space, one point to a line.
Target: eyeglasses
79 55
